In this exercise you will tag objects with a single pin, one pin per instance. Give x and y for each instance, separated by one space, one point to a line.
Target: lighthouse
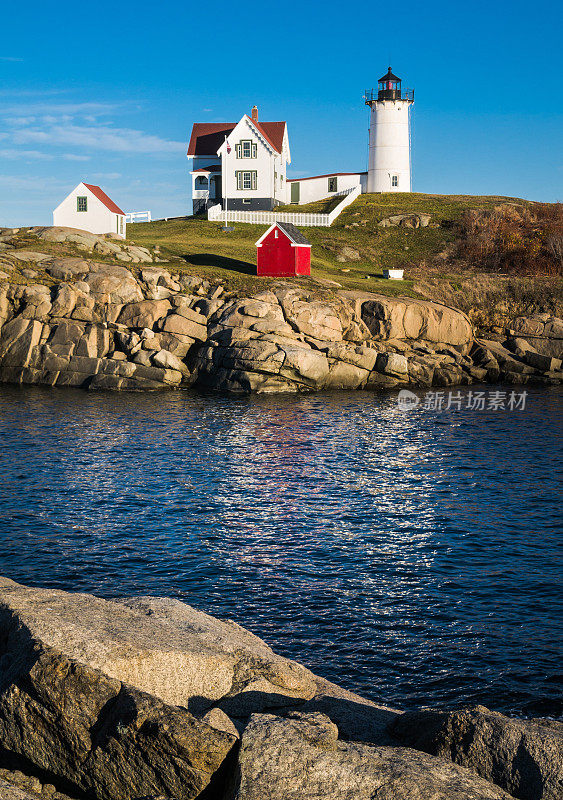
389 168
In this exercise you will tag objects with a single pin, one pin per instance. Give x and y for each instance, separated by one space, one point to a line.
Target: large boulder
66 269
164 647
111 284
17 341
301 758
144 314
525 757
543 331
409 318
96 734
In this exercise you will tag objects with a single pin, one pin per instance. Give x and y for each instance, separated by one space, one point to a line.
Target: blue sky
107 93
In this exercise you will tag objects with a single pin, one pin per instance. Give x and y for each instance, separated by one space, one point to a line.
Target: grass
200 247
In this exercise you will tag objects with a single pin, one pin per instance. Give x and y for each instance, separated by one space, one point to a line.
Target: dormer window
247 149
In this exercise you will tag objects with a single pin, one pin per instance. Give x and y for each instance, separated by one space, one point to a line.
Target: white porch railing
216 213
138 216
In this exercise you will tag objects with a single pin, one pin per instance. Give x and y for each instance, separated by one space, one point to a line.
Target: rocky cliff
68 318
150 698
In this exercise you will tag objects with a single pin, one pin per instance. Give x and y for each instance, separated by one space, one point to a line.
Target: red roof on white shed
107 201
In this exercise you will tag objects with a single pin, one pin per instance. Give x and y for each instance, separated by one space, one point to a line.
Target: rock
17 340
152 275
347 253
543 331
113 288
392 364
165 359
10 792
185 311
542 362
419 220
163 647
305 365
519 347
358 719
406 318
524 757
144 314
301 758
178 324
29 255
220 721
95 343
29 273
64 301
66 269
97 734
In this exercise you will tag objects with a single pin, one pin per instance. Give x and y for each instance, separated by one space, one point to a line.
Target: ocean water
412 556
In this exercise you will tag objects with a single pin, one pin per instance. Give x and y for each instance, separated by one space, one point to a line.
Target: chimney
254 113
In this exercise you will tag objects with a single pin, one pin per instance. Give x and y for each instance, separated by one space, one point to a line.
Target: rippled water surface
412 556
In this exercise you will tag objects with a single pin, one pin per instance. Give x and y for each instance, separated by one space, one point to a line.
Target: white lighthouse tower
389 167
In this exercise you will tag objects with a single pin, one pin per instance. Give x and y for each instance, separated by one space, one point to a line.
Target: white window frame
80 198
394 181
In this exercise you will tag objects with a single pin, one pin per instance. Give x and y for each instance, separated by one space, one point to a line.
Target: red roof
328 175
101 195
207 137
273 132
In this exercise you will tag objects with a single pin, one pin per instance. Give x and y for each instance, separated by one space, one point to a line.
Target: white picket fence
138 216
216 213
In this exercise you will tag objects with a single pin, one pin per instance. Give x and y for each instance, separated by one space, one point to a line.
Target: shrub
514 239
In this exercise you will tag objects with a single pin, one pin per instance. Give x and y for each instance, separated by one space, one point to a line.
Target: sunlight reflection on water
412 556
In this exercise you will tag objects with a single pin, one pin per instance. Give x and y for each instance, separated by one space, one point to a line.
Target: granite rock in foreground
149 697
301 758
525 757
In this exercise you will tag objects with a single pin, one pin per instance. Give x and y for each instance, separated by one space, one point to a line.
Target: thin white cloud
74 157
56 109
12 152
10 58
119 140
32 92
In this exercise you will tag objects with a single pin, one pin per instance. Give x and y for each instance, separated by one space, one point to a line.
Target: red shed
283 251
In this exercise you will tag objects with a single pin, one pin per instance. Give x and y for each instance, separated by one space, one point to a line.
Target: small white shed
89 208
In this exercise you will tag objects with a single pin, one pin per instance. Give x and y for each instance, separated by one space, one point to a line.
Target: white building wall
313 189
389 146
263 164
98 218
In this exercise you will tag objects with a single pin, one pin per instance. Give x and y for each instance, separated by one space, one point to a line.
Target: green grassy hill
464 257
231 257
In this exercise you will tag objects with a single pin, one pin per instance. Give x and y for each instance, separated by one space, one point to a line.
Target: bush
514 239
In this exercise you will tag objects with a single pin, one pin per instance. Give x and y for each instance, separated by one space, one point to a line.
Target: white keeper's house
244 162
241 166
89 208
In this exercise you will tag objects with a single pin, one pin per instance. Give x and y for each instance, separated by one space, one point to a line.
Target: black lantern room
389 87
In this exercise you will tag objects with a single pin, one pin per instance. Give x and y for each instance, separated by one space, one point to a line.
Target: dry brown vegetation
514 239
